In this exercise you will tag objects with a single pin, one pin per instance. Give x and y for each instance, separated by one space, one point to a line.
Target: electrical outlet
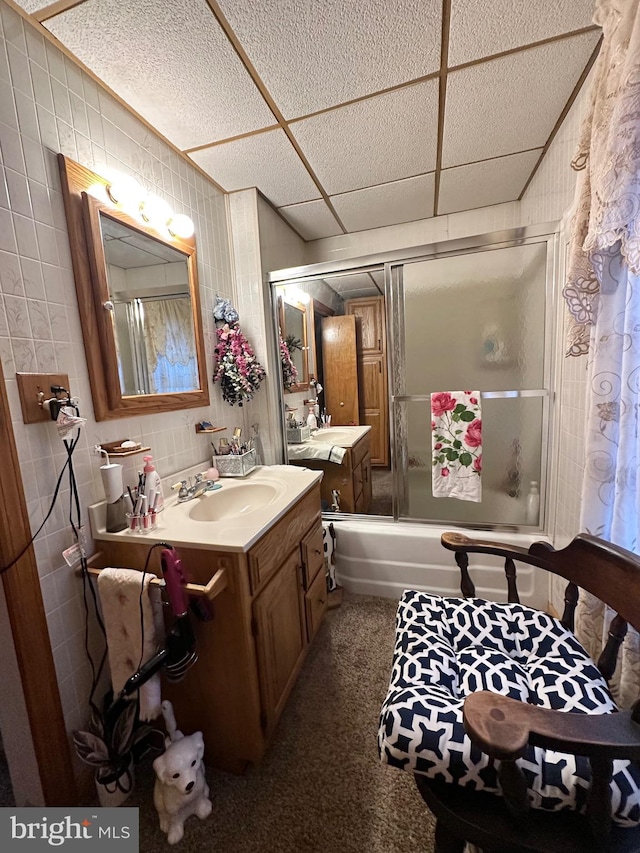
35 387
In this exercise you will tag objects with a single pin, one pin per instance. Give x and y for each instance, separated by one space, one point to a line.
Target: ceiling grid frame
61 6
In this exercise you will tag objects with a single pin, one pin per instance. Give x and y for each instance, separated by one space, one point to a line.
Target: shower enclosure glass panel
472 321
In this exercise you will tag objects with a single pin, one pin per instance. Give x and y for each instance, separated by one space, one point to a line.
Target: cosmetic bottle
312 422
533 503
152 485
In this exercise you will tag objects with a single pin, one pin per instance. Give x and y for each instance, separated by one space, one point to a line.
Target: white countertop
339 436
244 518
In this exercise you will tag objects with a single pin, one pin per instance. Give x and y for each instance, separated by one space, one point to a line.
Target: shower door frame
394 304
390 262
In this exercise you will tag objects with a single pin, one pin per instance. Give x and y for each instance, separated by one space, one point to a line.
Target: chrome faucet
190 490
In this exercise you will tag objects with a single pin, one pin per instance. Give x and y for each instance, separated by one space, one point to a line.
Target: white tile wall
48 105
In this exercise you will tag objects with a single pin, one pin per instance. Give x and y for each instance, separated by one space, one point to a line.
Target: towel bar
216 585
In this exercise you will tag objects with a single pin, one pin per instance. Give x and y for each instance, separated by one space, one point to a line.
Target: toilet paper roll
112 481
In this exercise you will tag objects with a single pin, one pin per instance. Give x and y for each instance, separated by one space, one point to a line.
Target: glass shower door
477 321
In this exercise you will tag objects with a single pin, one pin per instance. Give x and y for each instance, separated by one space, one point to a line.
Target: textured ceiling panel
34 5
353 286
312 220
171 61
313 55
267 161
482 29
387 204
380 139
511 104
489 182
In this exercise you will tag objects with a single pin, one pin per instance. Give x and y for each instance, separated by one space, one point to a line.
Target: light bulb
125 191
156 211
181 226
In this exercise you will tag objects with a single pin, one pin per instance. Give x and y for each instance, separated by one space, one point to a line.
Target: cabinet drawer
312 554
316 604
275 546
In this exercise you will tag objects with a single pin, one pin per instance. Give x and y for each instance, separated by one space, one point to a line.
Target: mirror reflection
294 332
148 284
339 422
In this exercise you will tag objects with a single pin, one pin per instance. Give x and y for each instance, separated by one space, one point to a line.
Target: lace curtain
607 210
603 298
170 345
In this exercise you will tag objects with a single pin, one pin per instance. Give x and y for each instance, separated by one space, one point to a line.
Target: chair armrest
458 542
502 728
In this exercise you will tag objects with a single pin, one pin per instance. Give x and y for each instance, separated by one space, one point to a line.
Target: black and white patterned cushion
447 648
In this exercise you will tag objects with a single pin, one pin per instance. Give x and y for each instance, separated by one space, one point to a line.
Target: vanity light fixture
125 192
156 211
180 225
294 295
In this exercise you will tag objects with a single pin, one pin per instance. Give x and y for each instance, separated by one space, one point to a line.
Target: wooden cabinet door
339 359
280 631
375 406
370 314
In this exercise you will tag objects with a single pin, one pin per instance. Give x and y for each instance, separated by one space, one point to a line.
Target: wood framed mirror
294 331
139 304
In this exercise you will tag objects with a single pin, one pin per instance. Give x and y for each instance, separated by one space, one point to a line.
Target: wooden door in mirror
161 382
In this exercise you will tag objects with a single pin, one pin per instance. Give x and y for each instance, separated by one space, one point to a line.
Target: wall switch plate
30 386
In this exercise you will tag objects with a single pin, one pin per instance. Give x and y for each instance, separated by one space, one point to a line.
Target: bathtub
385 558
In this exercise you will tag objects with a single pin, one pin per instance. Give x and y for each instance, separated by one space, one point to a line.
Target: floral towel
456 441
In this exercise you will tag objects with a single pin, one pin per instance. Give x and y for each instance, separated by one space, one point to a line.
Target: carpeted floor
320 788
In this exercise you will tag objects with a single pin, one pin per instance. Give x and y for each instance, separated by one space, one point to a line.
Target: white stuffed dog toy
180 789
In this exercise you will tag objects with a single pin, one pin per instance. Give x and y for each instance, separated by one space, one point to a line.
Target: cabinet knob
341 403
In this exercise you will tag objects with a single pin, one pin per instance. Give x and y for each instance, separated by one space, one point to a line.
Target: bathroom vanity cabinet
352 477
259 630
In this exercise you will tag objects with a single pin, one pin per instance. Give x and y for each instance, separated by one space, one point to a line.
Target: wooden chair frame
503 727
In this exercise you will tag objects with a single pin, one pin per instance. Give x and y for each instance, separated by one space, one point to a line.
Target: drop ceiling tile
374 141
386 204
266 160
511 104
353 286
171 62
312 220
483 29
34 5
315 55
485 183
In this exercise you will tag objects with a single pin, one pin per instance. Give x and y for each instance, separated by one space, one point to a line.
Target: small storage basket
235 465
297 435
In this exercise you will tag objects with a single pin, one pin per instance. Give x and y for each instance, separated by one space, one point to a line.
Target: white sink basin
231 501
334 435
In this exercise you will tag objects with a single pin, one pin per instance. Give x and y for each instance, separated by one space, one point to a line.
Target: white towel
456 442
120 599
317 450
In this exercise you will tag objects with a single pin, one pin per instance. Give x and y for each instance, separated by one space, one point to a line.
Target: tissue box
297 435
236 466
